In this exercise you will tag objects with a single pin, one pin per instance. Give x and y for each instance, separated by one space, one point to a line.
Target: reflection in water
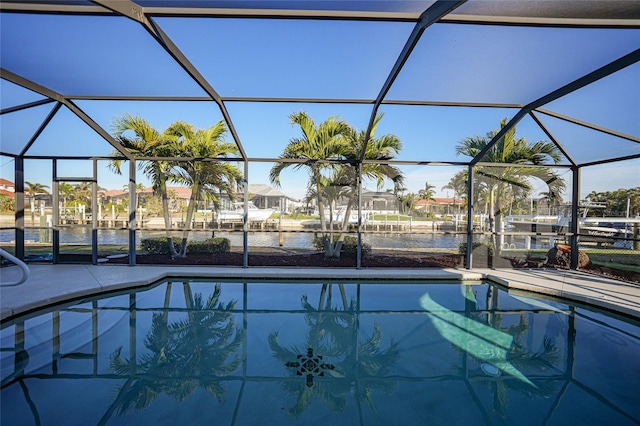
482 341
499 348
333 333
151 357
182 355
309 365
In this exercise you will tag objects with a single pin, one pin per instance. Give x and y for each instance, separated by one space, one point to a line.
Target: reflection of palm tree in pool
520 357
183 355
334 336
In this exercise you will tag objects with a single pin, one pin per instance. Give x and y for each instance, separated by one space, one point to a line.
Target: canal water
259 239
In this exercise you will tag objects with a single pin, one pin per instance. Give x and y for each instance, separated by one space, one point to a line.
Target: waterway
82 236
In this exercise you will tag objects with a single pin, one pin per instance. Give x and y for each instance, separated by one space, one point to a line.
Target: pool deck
52 284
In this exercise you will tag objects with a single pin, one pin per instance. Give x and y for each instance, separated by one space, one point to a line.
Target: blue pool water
320 353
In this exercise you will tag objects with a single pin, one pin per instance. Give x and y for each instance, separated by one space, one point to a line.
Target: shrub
210 246
7 203
480 248
160 245
349 246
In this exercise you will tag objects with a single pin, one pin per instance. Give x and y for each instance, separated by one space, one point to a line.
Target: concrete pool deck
52 284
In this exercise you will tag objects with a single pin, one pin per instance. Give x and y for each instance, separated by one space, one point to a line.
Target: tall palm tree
66 192
318 142
427 193
33 189
147 142
378 150
205 178
335 140
501 182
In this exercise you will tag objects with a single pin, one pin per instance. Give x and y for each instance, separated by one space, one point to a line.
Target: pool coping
54 284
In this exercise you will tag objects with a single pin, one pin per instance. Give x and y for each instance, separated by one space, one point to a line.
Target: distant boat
592 229
236 213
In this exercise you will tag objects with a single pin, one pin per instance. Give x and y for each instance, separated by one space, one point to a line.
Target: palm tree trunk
328 247
345 226
162 188
323 220
496 211
189 218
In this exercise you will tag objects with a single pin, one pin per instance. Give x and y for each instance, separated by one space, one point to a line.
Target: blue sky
332 59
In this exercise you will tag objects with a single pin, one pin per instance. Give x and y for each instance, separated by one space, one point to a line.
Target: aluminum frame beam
137 13
41 128
611 160
585 80
336 14
553 139
434 13
289 100
26 106
589 125
44 91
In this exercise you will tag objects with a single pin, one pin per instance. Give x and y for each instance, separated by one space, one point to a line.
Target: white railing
21 265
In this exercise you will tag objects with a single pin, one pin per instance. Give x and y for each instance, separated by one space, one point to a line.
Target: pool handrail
21 265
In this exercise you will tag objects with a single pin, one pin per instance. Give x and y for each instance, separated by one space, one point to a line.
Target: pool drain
490 370
310 366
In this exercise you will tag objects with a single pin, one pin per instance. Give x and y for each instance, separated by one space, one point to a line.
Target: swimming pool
348 352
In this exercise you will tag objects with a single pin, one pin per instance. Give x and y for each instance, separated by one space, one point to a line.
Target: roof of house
180 191
438 201
265 190
379 194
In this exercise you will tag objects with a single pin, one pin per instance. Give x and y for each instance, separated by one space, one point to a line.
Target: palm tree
335 140
458 189
148 142
427 193
594 196
552 198
504 182
33 189
318 142
66 192
139 187
82 192
205 178
378 151
408 201
398 191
